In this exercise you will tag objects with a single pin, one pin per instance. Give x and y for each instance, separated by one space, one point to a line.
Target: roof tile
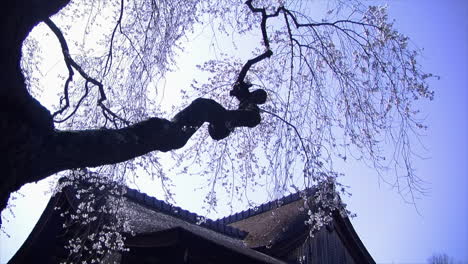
265 207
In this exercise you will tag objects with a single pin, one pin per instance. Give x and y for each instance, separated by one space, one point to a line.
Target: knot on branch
245 97
219 130
223 121
247 114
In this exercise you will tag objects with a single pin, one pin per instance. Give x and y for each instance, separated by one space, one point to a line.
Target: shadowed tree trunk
24 122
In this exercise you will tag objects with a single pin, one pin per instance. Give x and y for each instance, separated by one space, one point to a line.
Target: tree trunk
23 120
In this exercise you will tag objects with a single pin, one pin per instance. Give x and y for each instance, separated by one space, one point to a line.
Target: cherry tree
326 82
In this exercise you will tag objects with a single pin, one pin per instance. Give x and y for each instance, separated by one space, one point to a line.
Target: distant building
274 232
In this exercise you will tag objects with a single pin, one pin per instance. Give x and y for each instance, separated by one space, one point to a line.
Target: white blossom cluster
324 203
94 223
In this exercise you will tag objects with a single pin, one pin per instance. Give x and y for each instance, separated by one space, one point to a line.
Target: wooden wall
323 248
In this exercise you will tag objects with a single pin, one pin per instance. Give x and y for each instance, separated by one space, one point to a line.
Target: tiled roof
220 225
182 214
265 207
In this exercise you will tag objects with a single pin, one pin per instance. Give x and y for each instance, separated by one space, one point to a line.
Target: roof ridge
265 207
178 212
220 225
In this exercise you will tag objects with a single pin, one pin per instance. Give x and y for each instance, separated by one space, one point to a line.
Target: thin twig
295 130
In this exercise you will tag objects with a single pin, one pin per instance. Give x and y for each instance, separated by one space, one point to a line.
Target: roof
278 226
261 234
154 217
213 250
182 214
265 207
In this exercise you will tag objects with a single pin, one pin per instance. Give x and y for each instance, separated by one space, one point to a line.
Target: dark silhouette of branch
250 63
265 16
108 63
72 64
90 148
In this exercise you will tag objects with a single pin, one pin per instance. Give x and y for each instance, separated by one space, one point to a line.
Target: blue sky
393 231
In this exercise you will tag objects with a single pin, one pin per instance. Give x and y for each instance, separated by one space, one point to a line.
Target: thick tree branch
91 148
250 63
